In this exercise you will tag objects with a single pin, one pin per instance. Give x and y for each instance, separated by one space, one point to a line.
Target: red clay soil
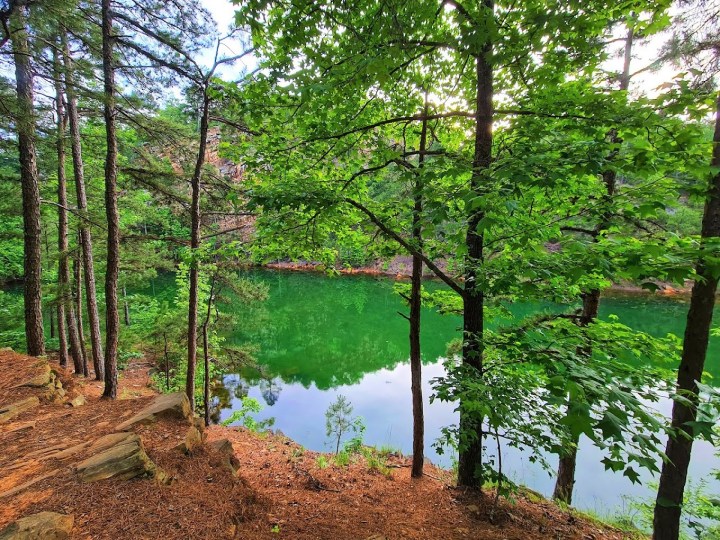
280 491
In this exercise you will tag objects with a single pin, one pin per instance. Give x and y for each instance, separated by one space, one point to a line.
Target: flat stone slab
123 460
113 439
8 412
42 526
175 405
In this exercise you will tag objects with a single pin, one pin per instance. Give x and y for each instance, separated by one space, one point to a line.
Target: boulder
226 453
175 405
194 439
8 412
42 526
124 459
77 401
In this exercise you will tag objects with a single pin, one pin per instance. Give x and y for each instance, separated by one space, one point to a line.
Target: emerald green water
319 336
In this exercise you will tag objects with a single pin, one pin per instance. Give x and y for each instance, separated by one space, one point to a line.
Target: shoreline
401 273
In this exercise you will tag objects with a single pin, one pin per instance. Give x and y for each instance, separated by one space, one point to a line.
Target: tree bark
206 385
126 306
470 456
668 506
194 245
415 309
74 339
206 354
85 233
565 482
63 269
78 317
32 239
566 467
112 319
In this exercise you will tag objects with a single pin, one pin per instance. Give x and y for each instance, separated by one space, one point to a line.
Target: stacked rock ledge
120 456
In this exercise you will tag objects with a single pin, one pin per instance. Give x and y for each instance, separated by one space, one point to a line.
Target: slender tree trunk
63 269
414 319
206 385
206 355
470 456
77 271
566 468
74 339
194 245
32 239
668 507
85 233
591 300
167 364
52 323
112 319
126 306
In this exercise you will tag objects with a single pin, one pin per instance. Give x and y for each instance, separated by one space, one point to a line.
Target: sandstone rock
8 412
65 453
175 405
42 526
21 426
77 401
113 439
124 460
194 439
227 456
44 378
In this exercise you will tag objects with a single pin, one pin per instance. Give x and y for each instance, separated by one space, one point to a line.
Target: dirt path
282 490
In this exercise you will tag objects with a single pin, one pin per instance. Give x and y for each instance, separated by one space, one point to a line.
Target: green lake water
319 336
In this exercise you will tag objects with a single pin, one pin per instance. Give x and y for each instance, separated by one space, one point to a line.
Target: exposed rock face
120 456
174 405
8 412
42 526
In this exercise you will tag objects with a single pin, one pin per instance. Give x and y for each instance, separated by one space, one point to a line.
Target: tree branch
450 282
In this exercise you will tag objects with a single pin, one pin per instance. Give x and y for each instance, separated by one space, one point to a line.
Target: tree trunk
126 306
112 318
666 522
566 468
414 319
206 385
32 239
74 339
194 245
470 456
77 270
85 233
63 269
591 300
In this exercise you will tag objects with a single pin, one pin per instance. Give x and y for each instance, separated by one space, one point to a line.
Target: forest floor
282 490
